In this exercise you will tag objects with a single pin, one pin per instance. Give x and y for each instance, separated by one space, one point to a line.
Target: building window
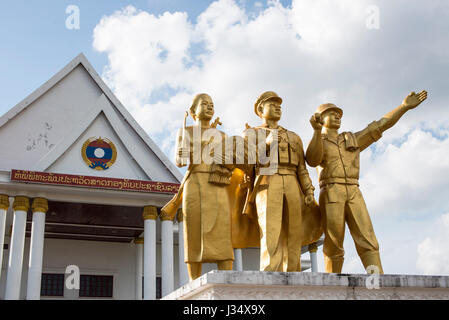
52 285
96 286
158 287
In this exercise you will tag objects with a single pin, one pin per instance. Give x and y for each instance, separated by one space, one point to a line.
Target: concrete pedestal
257 285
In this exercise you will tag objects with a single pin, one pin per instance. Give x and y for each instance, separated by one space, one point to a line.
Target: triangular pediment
73 161
47 130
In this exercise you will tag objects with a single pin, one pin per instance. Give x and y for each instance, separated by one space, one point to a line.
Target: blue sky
36 42
155 55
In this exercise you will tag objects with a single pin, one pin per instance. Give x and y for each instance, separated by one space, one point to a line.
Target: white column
313 259
167 255
139 266
4 205
182 266
40 207
20 206
238 259
149 253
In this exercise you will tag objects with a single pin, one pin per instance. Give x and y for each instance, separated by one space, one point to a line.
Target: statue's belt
280 169
324 182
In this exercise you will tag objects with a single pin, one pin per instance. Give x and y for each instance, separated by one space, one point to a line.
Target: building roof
43 132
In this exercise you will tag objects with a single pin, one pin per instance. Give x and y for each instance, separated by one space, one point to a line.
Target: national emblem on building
99 153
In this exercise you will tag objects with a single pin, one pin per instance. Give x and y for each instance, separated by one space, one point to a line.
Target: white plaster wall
124 166
7 241
47 122
100 258
161 172
4 267
5 270
53 115
92 257
107 258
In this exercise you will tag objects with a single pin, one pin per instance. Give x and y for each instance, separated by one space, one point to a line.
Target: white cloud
433 252
310 52
410 178
145 52
405 188
328 27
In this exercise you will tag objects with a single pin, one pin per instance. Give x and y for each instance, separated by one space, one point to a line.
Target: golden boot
370 259
333 265
194 270
225 265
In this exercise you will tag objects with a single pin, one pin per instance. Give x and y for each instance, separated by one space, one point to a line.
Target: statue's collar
265 126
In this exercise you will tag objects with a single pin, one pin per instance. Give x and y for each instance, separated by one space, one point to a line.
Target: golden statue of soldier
281 190
337 157
238 205
268 200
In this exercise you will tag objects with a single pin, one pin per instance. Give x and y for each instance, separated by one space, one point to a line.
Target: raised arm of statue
374 131
314 153
410 102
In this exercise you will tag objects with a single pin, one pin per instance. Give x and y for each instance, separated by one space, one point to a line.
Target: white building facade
81 187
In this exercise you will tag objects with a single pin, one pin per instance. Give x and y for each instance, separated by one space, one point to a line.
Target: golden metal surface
165 217
179 215
313 247
228 205
284 199
337 156
150 212
206 204
21 203
139 240
39 205
4 202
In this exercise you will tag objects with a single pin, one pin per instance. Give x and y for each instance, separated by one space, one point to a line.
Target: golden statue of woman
206 205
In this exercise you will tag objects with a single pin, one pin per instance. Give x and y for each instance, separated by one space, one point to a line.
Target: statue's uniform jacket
280 203
341 199
206 215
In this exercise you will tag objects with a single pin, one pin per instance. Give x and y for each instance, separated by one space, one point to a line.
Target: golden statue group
255 190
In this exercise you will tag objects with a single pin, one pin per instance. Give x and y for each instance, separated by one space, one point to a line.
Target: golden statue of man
337 157
206 206
282 192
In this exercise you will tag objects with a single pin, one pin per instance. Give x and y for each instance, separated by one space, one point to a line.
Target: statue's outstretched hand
413 100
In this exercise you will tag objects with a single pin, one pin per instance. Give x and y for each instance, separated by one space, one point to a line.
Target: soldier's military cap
329 106
267 95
